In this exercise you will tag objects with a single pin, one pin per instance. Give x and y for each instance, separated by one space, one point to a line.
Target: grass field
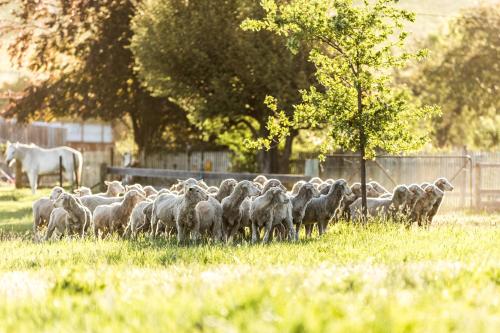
380 278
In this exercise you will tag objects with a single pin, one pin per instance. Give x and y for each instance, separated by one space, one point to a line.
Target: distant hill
432 15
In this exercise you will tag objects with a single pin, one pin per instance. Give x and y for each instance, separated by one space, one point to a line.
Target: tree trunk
363 175
362 146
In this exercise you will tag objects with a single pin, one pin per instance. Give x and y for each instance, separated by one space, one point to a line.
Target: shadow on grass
15 214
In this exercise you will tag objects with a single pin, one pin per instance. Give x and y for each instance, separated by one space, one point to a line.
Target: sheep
272 183
161 213
425 204
321 209
378 188
415 194
185 215
316 180
444 185
212 190
382 206
42 208
282 215
299 204
149 191
115 216
262 212
82 191
226 187
57 221
344 210
231 216
296 187
209 213
94 200
179 187
139 220
209 216
261 179
79 217
115 188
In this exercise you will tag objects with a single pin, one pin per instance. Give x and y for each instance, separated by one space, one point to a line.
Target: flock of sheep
192 210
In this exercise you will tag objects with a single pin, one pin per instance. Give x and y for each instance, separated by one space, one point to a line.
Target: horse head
10 152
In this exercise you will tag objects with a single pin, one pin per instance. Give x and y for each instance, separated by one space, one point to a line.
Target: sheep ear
106 182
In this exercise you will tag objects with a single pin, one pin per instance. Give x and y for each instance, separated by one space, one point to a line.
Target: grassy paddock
379 278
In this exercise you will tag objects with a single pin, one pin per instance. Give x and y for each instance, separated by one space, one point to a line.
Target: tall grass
378 278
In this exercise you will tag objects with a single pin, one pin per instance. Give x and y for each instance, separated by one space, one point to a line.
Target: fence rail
183 174
487 196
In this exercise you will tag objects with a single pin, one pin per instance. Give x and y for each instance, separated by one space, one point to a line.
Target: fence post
103 174
60 171
19 174
478 186
312 168
112 156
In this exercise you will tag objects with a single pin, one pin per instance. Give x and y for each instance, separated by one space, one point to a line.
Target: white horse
39 161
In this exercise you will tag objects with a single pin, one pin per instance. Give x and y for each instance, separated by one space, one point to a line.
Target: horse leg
33 180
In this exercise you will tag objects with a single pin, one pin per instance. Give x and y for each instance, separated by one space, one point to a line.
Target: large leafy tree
81 49
355 46
463 77
196 51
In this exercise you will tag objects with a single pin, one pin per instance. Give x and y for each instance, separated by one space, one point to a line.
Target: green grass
380 278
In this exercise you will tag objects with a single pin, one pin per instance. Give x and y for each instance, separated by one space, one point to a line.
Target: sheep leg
233 231
195 232
268 227
292 236
309 228
181 234
297 230
50 230
255 233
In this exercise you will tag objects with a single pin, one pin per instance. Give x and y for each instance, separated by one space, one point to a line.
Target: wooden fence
393 170
218 161
487 186
41 135
172 175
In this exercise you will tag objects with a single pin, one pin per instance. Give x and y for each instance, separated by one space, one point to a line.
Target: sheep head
115 188
443 184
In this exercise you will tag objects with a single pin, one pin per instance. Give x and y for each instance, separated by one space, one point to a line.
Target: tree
196 51
353 49
462 77
81 47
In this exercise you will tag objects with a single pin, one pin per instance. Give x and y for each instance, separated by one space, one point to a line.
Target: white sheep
149 191
296 187
320 210
43 207
378 188
262 212
114 189
231 216
57 221
94 200
115 216
82 191
444 185
382 206
139 220
79 217
209 216
161 213
425 204
261 179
